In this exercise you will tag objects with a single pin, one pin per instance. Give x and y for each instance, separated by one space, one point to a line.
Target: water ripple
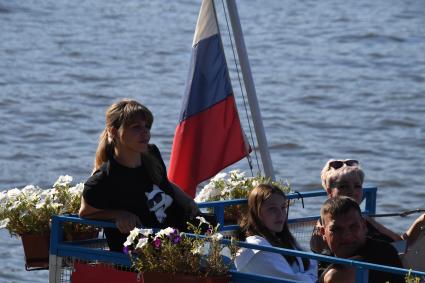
333 79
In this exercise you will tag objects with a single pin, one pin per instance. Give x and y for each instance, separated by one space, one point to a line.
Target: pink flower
157 243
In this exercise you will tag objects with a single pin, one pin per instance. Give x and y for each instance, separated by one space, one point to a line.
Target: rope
243 98
300 196
401 214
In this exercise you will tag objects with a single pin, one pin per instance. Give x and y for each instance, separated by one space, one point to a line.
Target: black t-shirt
377 252
118 187
375 234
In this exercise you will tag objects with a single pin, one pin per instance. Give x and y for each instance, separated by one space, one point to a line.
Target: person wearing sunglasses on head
345 178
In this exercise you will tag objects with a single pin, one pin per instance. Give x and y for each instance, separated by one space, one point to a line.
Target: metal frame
59 248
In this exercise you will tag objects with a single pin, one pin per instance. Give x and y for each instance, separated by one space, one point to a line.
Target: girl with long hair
129 183
266 224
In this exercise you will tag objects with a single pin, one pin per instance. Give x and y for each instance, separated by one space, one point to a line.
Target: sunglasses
339 163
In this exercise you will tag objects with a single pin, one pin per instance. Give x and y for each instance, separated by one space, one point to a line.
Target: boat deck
80 259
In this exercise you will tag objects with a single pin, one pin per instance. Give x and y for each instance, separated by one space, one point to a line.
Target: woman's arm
185 201
125 220
384 230
414 230
273 264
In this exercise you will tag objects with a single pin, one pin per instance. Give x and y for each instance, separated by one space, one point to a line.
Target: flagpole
250 89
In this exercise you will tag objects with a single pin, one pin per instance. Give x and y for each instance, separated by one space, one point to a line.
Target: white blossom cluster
31 207
225 186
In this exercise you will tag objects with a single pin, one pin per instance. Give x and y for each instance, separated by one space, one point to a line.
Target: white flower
63 181
13 193
131 237
41 203
165 232
15 204
207 193
202 220
77 189
142 242
146 232
214 193
56 205
30 190
236 175
3 196
218 177
202 249
4 222
128 242
217 236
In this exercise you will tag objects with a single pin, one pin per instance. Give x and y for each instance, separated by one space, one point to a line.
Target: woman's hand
192 208
126 221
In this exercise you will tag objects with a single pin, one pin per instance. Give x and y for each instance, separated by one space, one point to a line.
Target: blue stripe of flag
208 81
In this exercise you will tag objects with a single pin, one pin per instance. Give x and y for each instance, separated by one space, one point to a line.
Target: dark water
333 79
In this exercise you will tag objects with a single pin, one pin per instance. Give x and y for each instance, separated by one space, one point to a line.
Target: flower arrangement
234 185
28 210
169 251
410 278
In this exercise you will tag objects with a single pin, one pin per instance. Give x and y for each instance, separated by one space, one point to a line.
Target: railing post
370 206
55 262
219 212
362 274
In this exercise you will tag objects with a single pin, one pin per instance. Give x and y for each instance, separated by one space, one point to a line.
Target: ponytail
104 150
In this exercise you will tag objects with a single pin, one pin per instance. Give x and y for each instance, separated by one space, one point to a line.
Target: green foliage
169 251
234 185
411 278
29 210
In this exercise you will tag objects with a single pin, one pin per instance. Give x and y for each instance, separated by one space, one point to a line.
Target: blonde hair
119 116
330 175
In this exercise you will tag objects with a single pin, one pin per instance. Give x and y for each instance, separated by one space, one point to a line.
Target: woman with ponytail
129 183
266 224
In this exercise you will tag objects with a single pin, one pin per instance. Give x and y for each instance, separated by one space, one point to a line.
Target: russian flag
209 136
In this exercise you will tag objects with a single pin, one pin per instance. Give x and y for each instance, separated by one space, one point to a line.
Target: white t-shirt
272 264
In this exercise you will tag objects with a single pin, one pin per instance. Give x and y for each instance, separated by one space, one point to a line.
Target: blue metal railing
369 197
61 248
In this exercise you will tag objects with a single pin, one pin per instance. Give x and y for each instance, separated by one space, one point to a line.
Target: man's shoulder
380 252
372 244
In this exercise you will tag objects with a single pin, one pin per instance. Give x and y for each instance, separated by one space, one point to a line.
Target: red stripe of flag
206 143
